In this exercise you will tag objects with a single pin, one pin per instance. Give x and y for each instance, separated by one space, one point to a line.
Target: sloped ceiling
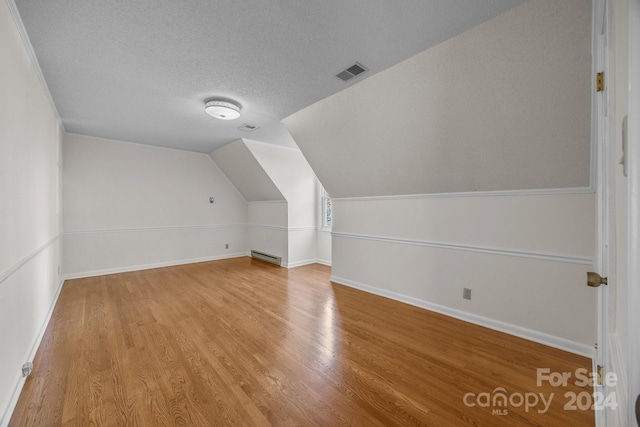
291 173
287 168
504 106
141 70
243 170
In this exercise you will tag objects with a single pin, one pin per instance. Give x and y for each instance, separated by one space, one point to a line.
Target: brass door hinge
594 279
600 374
600 81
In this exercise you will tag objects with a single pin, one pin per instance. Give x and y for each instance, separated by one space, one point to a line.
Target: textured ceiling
140 70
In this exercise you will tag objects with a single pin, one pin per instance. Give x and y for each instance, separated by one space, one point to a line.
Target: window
327 212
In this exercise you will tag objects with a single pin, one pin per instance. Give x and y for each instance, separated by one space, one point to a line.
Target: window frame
326 222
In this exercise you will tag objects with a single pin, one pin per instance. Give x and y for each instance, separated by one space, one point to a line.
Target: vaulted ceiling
141 70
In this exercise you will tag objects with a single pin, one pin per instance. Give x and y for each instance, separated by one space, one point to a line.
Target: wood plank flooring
241 343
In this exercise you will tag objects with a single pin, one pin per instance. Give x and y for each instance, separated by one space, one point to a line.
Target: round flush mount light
223 110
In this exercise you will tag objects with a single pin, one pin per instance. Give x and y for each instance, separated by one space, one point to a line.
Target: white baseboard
306 262
19 383
299 263
150 266
518 331
131 268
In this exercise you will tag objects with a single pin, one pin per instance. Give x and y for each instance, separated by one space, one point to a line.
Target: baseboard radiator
266 257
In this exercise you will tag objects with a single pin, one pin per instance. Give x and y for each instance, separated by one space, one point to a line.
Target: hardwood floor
240 343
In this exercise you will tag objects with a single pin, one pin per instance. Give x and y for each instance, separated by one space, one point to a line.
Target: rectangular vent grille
266 257
351 72
248 127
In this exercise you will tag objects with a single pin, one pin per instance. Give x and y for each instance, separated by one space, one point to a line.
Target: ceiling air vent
248 127
351 72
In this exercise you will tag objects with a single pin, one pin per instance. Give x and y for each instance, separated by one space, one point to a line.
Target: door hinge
600 81
594 279
600 374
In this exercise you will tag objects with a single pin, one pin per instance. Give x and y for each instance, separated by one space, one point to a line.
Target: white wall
281 190
31 215
130 206
524 258
291 173
267 207
267 228
323 247
468 165
503 106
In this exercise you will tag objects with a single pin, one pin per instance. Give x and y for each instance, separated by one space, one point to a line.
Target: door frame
602 154
633 150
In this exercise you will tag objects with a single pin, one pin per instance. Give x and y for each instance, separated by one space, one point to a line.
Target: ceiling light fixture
223 110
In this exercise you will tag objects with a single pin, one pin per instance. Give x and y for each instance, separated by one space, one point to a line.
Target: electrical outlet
27 368
466 293
226 246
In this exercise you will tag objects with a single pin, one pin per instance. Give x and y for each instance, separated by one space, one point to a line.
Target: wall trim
500 193
259 202
187 227
140 267
269 227
518 331
4 276
324 262
17 20
573 259
282 227
160 228
303 228
17 389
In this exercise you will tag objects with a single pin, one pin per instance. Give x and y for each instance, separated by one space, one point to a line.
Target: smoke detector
223 110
